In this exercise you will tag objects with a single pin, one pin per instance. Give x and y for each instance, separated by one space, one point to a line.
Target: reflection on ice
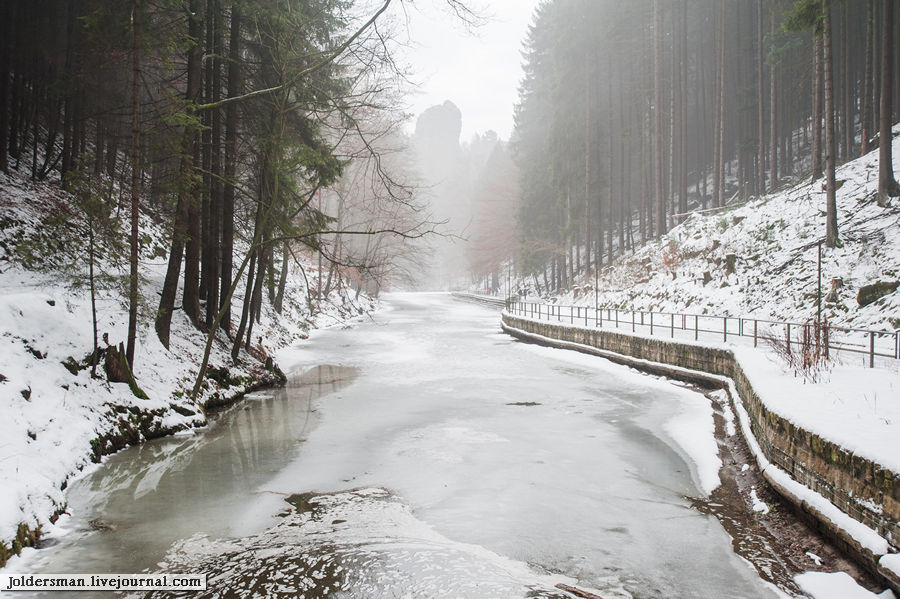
149 496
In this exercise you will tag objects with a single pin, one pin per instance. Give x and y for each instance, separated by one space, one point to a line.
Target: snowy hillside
761 258
57 418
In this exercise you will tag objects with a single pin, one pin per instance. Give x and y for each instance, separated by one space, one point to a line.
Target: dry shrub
807 354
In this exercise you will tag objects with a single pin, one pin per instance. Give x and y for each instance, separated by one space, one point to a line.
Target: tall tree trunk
846 88
245 310
135 179
760 100
703 118
818 76
215 193
720 109
99 145
682 116
720 200
191 292
773 112
231 122
658 112
589 225
887 185
282 279
7 10
831 229
867 80
644 187
876 74
206 247
609 220
186 198
673 76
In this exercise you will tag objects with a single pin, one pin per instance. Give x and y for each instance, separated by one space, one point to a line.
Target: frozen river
424 454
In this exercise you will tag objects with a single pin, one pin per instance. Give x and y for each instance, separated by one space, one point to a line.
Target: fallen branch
577 592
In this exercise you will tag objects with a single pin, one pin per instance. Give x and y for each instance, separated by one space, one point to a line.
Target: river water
422 454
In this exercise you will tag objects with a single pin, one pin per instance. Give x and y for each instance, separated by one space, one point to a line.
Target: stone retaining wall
844 479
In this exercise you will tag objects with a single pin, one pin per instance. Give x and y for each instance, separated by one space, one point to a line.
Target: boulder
871 293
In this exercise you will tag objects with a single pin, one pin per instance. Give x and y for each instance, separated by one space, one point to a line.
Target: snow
891 562
854 407
758 504
835 585
694 431
51 415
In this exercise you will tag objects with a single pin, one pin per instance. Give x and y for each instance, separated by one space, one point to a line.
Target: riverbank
780 446
60 417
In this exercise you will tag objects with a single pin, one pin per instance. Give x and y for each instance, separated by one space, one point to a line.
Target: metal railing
867 343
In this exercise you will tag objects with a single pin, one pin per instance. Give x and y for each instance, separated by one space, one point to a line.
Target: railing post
571 314
789 337
871 349
632 321
754 332
617 318
725 328
696 326
651 324
672 324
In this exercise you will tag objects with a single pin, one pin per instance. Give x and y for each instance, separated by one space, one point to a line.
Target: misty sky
479 71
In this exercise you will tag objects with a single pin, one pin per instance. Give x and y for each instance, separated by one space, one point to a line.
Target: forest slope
761 258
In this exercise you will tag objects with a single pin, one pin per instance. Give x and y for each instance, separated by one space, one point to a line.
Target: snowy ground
57 417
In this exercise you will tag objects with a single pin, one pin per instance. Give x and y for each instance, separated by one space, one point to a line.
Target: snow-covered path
488 467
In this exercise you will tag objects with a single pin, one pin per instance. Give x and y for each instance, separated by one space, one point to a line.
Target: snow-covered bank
58 418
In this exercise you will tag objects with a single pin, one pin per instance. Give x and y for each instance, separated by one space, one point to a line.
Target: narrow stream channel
424 454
